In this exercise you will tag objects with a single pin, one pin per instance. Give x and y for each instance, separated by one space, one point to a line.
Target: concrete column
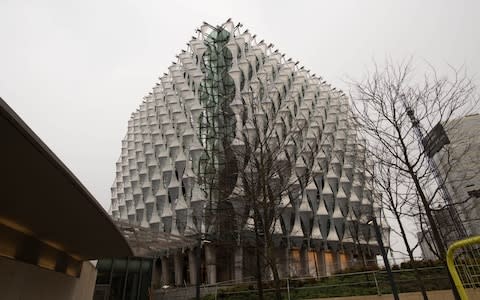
327 262
304 261
322 271
312 262
193 265
281 259
178 264
350 259
165 271
211 264
238 264
371 260
156 274
337 260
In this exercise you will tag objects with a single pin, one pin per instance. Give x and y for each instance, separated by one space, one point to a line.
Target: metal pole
385 260
376 284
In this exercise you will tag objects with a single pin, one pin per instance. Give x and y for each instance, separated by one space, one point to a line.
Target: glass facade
227 101
123 278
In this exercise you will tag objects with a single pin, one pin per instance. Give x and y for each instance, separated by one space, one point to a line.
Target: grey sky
75 70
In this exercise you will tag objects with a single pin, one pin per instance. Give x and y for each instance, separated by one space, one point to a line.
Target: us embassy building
231 109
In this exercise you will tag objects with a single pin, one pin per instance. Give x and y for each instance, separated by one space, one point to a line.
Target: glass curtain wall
123 278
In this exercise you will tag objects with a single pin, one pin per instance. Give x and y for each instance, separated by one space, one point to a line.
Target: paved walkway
473 294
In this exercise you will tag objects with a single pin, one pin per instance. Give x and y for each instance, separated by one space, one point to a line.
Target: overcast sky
75 70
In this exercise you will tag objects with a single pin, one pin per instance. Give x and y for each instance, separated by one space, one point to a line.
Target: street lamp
373 221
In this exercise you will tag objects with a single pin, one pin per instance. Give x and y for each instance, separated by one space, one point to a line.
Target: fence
463 259
345 284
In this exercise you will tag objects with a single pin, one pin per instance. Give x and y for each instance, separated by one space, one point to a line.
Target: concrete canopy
146 242
43 205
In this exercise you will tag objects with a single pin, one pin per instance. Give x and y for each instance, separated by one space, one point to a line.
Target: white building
459 162
224 91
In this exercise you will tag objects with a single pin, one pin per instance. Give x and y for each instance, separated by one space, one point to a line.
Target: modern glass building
179 170
123 278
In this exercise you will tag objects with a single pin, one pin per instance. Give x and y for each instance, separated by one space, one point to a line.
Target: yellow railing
465 266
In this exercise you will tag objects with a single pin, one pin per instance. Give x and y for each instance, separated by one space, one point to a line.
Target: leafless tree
267 156
262 165
397 193
395 109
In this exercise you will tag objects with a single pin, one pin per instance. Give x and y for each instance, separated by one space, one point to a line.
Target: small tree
397 193
395 109
266 165
267 160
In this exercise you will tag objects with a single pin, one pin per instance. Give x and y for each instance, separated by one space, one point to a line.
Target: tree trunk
276 281
271 258
258 264
410 255
428 212
434 229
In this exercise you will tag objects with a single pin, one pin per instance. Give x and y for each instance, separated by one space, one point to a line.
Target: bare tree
397 193
266 163
395 110
267 173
